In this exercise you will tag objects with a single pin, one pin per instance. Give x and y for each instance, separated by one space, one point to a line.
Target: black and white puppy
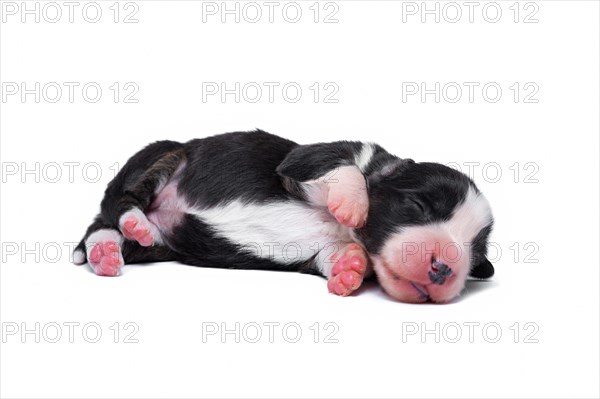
253 200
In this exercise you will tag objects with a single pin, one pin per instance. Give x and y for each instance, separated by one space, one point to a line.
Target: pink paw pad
137 229
106 259
348 272
350 213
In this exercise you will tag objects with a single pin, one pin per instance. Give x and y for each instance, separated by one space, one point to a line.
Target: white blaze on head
363 158
472 215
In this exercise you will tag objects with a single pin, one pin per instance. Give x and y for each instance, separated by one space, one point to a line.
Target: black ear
483 269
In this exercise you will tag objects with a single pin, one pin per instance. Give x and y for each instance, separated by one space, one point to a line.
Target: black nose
439 271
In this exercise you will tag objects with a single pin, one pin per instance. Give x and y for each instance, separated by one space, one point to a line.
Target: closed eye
418 204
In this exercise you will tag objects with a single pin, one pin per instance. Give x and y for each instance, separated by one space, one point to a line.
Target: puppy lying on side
257 201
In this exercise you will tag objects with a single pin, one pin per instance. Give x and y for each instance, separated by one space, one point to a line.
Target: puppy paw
350 210
348 199
136 227
104 252
348 271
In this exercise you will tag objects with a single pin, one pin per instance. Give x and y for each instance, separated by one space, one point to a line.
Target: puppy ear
482 269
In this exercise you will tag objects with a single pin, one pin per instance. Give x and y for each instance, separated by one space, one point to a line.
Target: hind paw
349 270
104 252
135 226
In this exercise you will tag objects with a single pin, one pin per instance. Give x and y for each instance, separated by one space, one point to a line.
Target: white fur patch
78 257
316 192
363 159
469 218
285 232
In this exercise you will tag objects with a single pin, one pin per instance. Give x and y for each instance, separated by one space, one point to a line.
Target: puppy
252 200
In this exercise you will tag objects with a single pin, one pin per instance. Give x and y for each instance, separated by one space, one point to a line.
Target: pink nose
439 272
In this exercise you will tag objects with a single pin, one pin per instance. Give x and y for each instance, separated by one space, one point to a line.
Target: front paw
348 271
350 210
348 200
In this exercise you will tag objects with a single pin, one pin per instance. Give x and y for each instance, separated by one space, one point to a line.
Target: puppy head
427 231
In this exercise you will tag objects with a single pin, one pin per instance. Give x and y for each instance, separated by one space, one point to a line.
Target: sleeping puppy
252 200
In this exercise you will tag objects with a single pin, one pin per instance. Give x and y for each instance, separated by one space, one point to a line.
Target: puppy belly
285 232
168 209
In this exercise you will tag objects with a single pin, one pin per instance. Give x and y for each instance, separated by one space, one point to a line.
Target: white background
546 215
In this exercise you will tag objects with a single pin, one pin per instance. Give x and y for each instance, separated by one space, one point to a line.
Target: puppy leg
125 204
122 216
331 175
